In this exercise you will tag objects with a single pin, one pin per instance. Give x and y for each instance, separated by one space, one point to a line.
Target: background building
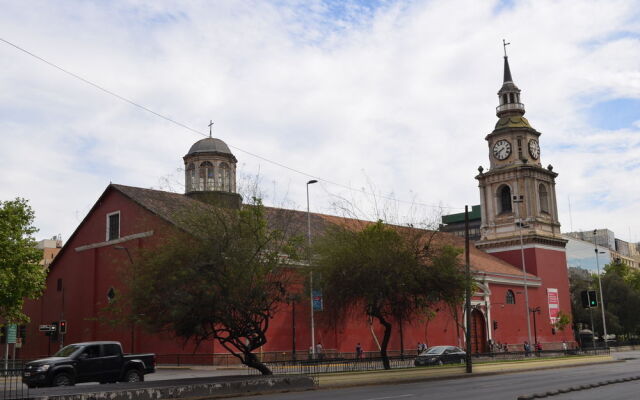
50 249
581 249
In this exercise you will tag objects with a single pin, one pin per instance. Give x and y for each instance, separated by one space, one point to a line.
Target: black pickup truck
101 362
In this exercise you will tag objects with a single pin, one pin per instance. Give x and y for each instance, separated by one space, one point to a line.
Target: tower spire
507 70
509 93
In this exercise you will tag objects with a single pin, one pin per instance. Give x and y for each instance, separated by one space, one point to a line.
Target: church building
518 262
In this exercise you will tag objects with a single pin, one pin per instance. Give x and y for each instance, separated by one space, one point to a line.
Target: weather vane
210 125
505 44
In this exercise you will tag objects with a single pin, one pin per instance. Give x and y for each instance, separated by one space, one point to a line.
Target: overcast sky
395 97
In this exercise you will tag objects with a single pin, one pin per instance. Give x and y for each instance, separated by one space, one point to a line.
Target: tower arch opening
504 199
544 198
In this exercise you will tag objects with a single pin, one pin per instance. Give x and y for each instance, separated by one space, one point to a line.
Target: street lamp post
604 323
535 328
313 329
518 200
133 322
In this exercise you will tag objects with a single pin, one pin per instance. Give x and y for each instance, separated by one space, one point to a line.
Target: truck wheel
62 379
133 375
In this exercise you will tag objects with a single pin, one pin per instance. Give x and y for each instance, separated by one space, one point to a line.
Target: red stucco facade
88 266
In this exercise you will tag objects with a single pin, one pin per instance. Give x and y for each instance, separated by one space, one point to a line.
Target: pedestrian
538 349
319 352
358 351
564 346
310 352
420 348
527 348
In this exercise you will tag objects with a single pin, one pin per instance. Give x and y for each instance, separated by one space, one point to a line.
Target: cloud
398 95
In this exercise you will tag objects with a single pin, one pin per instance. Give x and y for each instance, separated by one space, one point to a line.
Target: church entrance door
478 332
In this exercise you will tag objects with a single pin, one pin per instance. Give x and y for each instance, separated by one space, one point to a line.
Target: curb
341 380
578 388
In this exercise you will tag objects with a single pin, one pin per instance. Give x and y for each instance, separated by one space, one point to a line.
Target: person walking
319 351
358 351
527 348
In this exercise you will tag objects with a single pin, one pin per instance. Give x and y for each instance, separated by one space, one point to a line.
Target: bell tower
517 194
519 216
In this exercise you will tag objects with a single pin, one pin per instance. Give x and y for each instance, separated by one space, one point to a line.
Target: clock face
501 149
534 149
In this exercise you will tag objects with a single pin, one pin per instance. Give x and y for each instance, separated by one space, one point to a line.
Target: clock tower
520 218
517 194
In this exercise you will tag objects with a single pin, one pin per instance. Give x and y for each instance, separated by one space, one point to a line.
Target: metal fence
329 365
12 386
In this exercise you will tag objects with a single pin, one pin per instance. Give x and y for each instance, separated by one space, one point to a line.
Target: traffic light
495 325
584 295
589 299
593 300
63 326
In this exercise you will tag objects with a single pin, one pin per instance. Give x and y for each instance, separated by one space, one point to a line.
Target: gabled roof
169 206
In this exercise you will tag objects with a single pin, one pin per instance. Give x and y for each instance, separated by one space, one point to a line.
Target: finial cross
504 45
210 125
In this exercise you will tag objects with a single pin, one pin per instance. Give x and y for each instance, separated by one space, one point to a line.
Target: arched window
504 194
510 297
206 176
504 99
225 177
191 177
544 198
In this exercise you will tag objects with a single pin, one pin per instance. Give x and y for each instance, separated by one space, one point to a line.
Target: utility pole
467 305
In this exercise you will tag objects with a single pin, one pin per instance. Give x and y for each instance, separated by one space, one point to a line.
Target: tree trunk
385 341
250 360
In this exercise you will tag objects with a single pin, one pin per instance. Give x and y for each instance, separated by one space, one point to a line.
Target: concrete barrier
247 385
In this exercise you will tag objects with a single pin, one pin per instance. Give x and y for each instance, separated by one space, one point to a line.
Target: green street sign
12 331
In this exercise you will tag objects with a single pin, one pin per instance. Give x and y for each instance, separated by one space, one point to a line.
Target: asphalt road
503 386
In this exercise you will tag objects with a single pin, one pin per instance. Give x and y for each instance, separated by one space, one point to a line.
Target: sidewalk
449 372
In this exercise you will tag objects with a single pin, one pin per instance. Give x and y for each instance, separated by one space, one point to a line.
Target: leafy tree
222 280
562 322
20 274
386 273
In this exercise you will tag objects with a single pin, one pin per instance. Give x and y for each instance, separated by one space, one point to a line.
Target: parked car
439 355
101 362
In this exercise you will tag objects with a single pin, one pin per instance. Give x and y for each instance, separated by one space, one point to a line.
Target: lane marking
390 397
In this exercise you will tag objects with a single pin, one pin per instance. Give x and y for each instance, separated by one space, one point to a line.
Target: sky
386 103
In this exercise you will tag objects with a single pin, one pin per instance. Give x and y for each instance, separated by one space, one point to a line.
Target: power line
180 124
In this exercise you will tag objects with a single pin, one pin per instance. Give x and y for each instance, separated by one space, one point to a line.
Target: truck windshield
67 351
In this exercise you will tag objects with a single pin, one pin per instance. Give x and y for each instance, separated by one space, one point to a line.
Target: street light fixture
313 329
604 323
125 249
520 224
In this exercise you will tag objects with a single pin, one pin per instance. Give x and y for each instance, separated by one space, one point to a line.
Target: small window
505 199
110 350
191 177
544 198
224 176
206 174
111 295
113 225
510 298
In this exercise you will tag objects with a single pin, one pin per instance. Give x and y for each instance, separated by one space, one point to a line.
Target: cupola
210 172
